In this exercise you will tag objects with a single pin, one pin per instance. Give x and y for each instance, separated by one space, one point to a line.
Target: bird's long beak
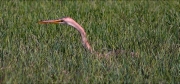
51 21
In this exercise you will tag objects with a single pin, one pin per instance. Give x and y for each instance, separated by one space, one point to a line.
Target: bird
71 22
81 30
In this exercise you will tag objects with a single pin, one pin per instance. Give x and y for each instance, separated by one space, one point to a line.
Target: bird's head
64 20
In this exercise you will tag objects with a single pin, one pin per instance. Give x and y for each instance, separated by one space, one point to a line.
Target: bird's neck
83 36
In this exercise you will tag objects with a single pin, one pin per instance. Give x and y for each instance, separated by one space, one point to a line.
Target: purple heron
80 29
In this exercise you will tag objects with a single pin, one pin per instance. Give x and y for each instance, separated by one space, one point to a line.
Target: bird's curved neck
83 35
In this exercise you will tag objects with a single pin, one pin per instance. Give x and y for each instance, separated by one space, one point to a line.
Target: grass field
52 53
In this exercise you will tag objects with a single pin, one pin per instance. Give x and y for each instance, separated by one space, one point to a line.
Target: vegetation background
36 53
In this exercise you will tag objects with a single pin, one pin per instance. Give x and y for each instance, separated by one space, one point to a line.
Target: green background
53 53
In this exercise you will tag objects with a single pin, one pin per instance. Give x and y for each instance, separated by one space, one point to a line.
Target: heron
80 29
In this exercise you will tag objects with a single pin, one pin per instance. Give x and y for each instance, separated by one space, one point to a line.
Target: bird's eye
61 21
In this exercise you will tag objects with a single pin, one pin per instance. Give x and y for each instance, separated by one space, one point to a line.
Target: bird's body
71 22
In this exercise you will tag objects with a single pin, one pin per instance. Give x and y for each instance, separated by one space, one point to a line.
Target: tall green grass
35 53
